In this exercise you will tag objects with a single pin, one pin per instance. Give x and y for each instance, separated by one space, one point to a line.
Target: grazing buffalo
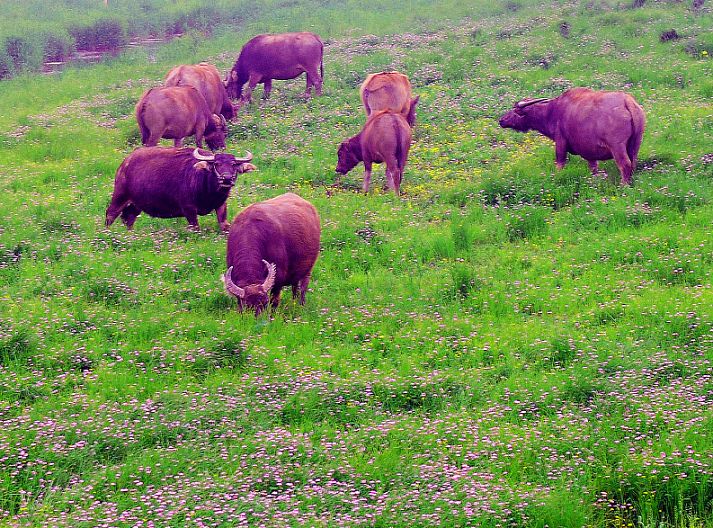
385 138
594 125
206 79
271 244
280 56
175 112
389 91
174 182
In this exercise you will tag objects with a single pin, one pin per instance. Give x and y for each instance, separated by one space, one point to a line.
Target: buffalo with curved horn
174 182
271 244
592 124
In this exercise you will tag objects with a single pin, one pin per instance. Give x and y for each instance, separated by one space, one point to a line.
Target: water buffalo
271 244
594 125
175 112
206 79
389 91
280 56
174 182
385 138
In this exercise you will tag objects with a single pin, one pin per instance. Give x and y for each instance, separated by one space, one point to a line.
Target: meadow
502 345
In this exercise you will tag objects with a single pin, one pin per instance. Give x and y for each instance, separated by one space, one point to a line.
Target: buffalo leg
153 139
367 177
221 213
397 175
200 130
622 162
560 154
593 166
313 81
275 299
178 142
129 214
191 215
389 178
303 284
268 88
252 83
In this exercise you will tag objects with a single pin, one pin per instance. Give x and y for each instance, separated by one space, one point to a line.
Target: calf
385 138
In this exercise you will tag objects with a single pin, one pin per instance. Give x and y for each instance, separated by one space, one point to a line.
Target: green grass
504 344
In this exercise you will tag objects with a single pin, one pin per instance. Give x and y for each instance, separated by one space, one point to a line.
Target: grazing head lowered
594 125
174 182
176 112
253 296
385 138
276 56
271 244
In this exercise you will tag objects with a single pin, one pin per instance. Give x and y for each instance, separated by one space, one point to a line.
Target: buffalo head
252 296
232 86
411 117
225 167
521 117
348 155
215 132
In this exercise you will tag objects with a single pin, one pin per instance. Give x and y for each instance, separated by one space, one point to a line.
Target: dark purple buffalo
176 112
174 182
279 56
272 244
594 125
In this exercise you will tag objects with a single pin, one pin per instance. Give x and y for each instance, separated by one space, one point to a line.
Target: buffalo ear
201 165
246 167
234 75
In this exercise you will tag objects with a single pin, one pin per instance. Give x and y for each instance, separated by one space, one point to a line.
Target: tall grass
505 344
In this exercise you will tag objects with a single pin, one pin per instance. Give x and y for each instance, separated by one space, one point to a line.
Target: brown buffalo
385 138
279 56
206 79
389 91
175 112
174 182
594 125
272 244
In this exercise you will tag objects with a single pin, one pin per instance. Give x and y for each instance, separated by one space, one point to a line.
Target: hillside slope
503 345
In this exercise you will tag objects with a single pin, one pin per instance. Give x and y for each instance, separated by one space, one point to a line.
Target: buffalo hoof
225 226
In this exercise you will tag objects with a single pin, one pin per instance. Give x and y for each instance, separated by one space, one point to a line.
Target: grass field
502 345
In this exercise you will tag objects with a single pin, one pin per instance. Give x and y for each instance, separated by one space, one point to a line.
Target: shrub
105 34
58 46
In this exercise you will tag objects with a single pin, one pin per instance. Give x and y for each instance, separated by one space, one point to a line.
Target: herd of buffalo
275 243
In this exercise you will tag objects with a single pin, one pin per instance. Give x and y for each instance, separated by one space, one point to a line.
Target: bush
58 46
102 35
21 52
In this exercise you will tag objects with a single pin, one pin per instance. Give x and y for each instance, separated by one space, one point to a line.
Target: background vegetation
504 345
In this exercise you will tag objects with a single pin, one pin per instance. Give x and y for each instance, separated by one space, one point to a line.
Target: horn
230 286
270 280
523 104
202 157
248 157
223 121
